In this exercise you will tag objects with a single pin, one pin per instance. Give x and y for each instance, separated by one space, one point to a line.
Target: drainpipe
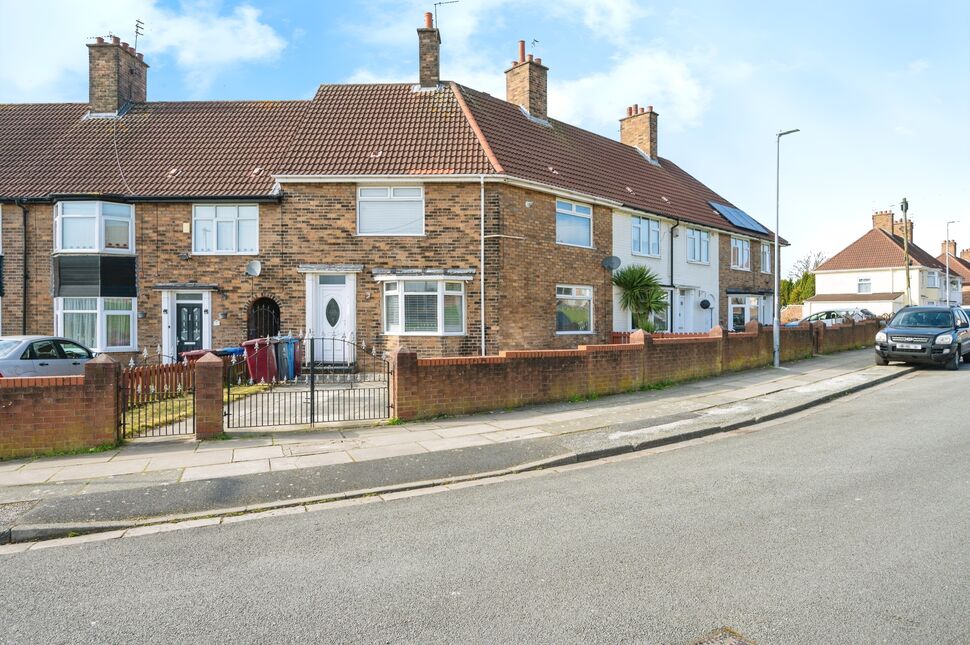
481 255
23 297
672 283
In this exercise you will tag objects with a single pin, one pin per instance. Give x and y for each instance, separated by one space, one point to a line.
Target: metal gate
301 382
158 400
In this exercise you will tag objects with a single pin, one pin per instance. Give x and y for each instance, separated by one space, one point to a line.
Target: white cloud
614 19
202 40
917 66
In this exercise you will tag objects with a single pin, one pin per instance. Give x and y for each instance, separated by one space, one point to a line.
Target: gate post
208 396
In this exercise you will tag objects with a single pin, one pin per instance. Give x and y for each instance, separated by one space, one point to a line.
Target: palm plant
641 294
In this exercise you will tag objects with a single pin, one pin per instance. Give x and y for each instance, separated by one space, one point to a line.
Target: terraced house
427 214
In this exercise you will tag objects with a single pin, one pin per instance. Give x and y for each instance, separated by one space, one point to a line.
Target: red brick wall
851 335
42 415
427 387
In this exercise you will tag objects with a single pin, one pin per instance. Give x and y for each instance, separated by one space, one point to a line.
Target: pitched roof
853 297
878 249
209 148
234 148
957 265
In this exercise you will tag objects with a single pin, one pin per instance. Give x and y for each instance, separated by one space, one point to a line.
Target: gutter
127 199
23 296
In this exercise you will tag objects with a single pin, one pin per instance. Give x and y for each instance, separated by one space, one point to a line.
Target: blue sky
880 90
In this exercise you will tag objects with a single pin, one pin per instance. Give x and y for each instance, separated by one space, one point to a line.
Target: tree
641 294
800 284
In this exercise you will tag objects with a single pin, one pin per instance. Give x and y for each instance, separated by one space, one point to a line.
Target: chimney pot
529 58
115 40
124 46
629 110
99 40
521 51
428 20
636 108
141 57
649 108
538 61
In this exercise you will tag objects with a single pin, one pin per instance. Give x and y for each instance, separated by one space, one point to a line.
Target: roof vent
174 172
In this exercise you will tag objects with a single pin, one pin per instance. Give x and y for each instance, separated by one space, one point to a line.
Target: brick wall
42 415
428 387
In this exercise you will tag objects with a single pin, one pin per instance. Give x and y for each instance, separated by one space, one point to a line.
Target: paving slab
221 471
106 469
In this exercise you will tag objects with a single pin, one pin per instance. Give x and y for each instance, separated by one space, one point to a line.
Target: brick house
425 214
959 268
871 272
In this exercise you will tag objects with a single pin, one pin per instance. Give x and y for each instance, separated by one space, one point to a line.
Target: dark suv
936 335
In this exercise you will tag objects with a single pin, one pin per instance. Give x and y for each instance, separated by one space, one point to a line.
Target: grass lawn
142 418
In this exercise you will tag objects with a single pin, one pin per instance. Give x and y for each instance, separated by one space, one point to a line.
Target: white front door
335 319
682 311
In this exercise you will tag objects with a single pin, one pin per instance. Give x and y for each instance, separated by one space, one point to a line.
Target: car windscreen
6 346
923 319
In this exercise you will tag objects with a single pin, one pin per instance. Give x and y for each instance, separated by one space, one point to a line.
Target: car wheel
954 362
880 360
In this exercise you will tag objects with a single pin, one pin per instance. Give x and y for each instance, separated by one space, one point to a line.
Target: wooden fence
149 383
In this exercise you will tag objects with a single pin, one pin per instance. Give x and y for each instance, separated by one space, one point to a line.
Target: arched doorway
264 319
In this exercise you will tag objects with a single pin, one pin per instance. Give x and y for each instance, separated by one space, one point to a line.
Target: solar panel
738 217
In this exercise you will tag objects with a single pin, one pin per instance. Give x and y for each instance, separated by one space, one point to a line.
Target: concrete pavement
843 524
152 481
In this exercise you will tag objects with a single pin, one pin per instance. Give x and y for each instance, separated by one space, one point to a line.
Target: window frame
932 279
743 246
574 213
647 224
215 219
766 257
99 223
441 293
699 240
573 296
391 198
101 322
868 283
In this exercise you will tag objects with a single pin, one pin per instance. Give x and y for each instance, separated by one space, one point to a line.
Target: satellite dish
611 263
705 304
254 268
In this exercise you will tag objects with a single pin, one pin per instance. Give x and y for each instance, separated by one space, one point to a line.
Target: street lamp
948 260
776 325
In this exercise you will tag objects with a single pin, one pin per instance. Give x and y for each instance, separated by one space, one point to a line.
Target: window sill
391 235
575 333
646 255
93 252
700 262
205 253
425 333
575 246
734 268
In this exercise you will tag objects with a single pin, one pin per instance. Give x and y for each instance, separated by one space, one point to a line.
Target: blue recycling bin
286 351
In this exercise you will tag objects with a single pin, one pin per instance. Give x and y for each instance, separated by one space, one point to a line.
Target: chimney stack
429 56
639 129
884 220
965 254
117 75
950 247
525 83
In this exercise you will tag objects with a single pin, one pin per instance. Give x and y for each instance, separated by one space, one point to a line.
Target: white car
42 356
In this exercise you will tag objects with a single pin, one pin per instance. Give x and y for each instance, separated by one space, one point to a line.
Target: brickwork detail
525 85
116 75
639 129
209 379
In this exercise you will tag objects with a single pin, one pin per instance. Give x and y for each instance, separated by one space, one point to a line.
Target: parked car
827 318
42 356
936 335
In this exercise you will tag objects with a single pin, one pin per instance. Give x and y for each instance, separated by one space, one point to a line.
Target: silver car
42 356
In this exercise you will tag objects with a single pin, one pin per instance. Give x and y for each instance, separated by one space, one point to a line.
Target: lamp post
776 324
948 260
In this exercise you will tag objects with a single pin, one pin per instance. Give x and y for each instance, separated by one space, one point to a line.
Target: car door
75 356
963 333
47 358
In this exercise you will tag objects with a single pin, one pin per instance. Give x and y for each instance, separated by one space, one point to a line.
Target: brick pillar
404 383
720 332
818 329
102 378
208 396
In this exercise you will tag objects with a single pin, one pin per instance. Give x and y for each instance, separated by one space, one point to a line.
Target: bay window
390 210
231 229
94 227
740 254
698 246
100 324
574 309
646 236
424 307
574 224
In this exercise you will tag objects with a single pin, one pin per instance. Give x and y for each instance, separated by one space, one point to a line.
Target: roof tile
878 249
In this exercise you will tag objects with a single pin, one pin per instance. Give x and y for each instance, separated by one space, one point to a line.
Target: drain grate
723 636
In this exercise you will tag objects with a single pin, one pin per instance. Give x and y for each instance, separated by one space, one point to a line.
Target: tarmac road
849 523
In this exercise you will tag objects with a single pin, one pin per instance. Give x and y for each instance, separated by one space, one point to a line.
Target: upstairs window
698 246
390 210
94 227
740 254
765 257
864 285
574 224
225 228
933 280
646 236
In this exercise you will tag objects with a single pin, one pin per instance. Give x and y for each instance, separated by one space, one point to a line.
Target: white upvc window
424 308
698 246
390 210
574 224
765 257
864 285
646 236
740 254
574 309
100 324
225 229
94 227
933 280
